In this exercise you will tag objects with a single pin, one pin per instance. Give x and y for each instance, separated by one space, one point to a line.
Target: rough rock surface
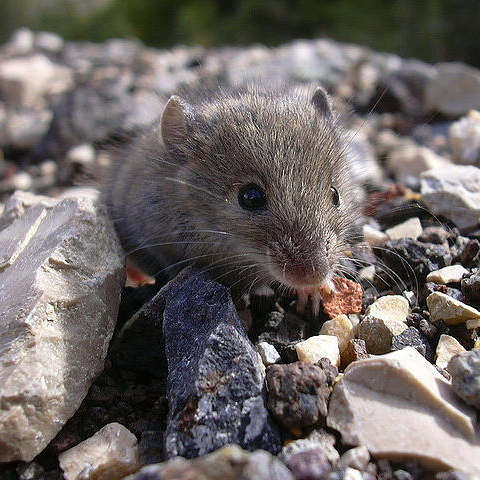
227 463
447 348
111 454
216 385
52 274
451 311
451 274
465 372
317 347
396 404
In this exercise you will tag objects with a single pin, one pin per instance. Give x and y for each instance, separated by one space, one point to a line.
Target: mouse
252 185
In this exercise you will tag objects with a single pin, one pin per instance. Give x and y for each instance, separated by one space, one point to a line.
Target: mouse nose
303 273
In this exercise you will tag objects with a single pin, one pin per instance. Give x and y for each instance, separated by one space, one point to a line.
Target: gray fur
179 189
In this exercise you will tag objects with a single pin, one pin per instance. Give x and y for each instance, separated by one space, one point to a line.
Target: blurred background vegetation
434 30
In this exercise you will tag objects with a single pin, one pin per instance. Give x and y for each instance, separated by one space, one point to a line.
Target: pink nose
303 275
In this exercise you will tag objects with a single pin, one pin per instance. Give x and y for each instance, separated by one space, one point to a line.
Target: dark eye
335 196
252 197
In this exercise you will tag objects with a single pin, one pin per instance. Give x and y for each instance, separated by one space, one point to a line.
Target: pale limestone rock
268 353
411 228
453 192
25 80
83 155
317 347
451 311
464 136
399 407
368 273
474 323
447 348
357 457
111 454
407 162
61 276
450 274
352 474
389 307
340 327
378 333
373 237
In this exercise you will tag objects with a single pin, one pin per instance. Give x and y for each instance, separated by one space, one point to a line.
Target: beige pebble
341 327
373 237
389 307
451 311
378 333
471 324
317 347
447 348
411 228
451 274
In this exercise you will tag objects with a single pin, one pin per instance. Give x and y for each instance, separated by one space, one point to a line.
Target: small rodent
254 186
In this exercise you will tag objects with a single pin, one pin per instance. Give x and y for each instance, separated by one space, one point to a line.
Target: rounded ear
322 104
176 118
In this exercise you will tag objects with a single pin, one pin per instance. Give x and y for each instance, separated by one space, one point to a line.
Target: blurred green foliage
434 30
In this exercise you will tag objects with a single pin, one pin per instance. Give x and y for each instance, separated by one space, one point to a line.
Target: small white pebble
340 327
373 237
268 353
21 181
412 228
450 274
447 347
317 347
368 273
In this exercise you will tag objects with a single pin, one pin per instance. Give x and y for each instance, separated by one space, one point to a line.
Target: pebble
374 237
464 137
450 274
378 333
453 192
409 161
347 298
447 348
111 454
465 372
60 261
357 457
308 464
451 311
411 337
340 327
356 349
389 307
83 155
471 287
411 228
268 353
227 463
317 347
395 404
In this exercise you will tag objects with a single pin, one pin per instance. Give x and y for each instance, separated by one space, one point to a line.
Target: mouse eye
335 196
252 197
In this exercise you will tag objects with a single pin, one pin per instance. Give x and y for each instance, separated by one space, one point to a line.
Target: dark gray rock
465 372
471 288
411 337
216 386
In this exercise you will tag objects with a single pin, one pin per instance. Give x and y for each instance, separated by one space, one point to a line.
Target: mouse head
270 171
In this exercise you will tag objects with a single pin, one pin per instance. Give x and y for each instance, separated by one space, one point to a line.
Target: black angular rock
411 337
216 385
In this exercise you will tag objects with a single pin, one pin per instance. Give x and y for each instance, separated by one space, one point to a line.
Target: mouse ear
178 114
321 102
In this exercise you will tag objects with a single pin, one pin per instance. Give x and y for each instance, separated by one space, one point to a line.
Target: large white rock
464 136
453 192
61 274
399 407
111 454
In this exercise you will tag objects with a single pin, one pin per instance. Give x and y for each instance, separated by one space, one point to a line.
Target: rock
407 162
464 136
455 89
298 394
378 333
454 193
470 255
411 228
436 235
357 458
317 347
451 274
407 254
389 307
111 454
396 404
318 440
465 372
374 237
25 80
60 296
471 288
308 464
268 353
356 349
411 337
447 348
82 155
49 41
347 298
451 311
227 463
216 387
340 327
150 448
